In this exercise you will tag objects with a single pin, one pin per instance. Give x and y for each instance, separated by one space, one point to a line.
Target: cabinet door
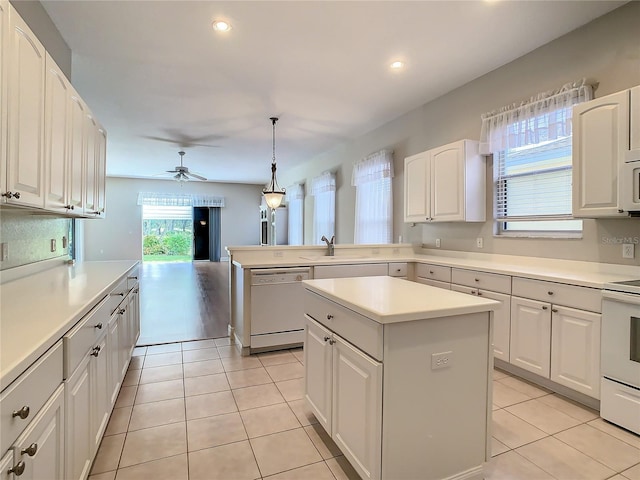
124 338
600 139
317 380
100 394
134 319
416 195
78 437
634 115
113 352
6 462
56 129
25 156
41 447
91 167
356 270
357 408
530 346
76 153
446 184
4 97
101 173
575 349
501 324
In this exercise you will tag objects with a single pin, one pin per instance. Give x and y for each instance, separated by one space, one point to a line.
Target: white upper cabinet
76 153
91 132
635 122
4 36
25 106
600 141
57 92
101 173
446 184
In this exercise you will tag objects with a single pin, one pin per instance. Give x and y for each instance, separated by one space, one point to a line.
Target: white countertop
585 274
36 311
392 300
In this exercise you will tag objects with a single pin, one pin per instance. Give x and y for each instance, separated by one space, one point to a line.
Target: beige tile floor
197 410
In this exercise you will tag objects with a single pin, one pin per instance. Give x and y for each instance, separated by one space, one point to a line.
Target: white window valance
179 200
323 183
372 168
544 117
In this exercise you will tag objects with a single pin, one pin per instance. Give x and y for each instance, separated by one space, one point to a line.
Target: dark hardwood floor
183 301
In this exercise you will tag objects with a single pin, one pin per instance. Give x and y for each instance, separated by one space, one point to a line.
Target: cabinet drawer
434 283
117 295
486 281
132 278
29 391
583 298
398 269
433 272
353 327
356 270
81 338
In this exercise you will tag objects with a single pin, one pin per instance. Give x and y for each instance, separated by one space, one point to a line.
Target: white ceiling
160 79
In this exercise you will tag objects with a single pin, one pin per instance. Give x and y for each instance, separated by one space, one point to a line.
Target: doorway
167 233
206 233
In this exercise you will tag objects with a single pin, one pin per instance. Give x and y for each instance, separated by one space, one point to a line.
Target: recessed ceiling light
221 25
397 65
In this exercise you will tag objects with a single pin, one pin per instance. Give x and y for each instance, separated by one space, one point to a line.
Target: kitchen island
399 375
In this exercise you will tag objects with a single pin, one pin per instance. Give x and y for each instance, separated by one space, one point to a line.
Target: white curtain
544 117
179 200
295 202
374 198
323 189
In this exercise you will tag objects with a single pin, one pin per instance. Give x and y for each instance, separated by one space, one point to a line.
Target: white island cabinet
392 367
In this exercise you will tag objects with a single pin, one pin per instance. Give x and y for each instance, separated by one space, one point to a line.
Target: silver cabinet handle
22 413
544 307
329 316
30 450
99 326
326 339
18 469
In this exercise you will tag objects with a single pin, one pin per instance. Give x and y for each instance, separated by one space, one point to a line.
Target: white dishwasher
277 312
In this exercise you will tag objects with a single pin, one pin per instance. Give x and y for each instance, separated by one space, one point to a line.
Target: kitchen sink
341 258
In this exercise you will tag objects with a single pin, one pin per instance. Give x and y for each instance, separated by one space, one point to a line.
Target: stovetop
628 286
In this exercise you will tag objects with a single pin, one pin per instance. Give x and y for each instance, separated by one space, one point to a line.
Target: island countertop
391 300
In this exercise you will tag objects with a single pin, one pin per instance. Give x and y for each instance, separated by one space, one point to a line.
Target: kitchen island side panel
436 422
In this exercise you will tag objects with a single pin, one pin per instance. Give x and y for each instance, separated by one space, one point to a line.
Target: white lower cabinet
113 354
40 449
79 440
344 388
100 398
530 345
6 466
575 349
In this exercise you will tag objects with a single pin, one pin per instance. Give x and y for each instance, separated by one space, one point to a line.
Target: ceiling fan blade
172 171
195 175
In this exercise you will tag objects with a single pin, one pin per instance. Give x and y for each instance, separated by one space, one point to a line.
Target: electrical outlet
53 244
479 242
628 250
278 254
65 243
4 254
441 360
438 243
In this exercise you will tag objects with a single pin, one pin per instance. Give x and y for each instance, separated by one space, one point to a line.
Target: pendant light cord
273 122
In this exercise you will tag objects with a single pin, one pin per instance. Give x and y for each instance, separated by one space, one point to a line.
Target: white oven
620 355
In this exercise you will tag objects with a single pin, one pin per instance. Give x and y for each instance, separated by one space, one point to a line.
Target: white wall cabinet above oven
445 184
606 136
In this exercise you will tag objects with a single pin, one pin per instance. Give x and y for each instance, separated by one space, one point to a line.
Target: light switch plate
479 242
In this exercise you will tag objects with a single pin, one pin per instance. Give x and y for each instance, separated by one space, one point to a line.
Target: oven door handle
621 297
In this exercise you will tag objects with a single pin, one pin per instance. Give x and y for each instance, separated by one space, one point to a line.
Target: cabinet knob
30 450
121 311
99 326
329 316
479 293
554 310
549 292
132 278
117 294
476 279
18 469
331 342
96 351
70 207
22 413
11 194
431 272
398 270
544 307
473 292
326 339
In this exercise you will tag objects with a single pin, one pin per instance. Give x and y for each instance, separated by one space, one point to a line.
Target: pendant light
273 194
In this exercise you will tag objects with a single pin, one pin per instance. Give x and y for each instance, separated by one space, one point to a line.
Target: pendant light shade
273 194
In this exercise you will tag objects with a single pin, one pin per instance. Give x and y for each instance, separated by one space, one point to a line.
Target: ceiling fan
182 173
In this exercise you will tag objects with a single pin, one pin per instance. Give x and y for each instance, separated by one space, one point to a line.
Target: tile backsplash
28 237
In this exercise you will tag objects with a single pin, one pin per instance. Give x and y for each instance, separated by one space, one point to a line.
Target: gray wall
119 235
38 20
605 51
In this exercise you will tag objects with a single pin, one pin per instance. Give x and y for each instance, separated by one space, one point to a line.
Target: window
374 200
531 147
323 189
295 201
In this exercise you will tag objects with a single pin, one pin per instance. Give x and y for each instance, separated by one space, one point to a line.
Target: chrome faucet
330 245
